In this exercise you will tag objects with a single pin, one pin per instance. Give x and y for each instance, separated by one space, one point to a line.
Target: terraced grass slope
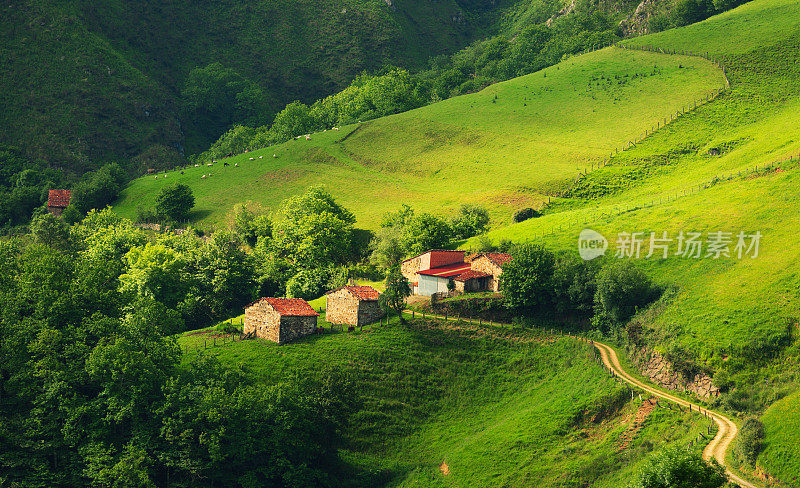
446 405
504 146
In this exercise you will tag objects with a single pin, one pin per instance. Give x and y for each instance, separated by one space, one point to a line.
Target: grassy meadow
499 407
502 147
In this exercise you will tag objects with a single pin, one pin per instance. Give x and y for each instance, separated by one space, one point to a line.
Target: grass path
727 429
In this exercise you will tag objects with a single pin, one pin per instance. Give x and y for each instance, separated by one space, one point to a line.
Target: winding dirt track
727 429
715 449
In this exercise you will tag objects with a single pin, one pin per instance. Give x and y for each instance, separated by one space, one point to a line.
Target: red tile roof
365 293
498 258
59 198
434 250
294 307
471 274
447 271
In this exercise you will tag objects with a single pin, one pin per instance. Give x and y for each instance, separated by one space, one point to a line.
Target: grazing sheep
196 165
274 155
236 165
308 137
261 157
156 176
209 164
202 177
252 159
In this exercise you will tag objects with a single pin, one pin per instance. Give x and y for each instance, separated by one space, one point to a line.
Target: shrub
750 441
525 214
674 468
175 201
574 284
527 280
622 289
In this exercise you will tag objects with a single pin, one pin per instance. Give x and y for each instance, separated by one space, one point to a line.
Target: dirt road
718 446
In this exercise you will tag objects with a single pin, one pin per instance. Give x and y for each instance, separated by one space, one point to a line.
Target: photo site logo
661 245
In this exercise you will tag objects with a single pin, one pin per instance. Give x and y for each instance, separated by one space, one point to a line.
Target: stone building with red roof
353 305
280 320
490 263
432 271
57 201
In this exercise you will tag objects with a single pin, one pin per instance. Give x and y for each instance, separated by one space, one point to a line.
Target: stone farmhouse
280 319
353 305
430 272
57 201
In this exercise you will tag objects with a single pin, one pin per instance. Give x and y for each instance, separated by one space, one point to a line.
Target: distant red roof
365 293
294 307
59 198
447 271
471 274
434 250
498 258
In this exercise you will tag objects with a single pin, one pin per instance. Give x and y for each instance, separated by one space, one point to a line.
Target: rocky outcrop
637 23
660 371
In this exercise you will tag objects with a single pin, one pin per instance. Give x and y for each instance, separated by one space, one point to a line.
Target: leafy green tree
574 284
175 201
157 272
51 231
315 231
674 468
397 290
98 188
622 289
294 120
527 280
426 231
472 220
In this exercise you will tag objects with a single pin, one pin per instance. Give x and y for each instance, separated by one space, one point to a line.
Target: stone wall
292 328
262 321
344 308
484 265
369 312
660 371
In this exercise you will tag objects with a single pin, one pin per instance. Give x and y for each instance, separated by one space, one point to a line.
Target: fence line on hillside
634 390
708 97
671 197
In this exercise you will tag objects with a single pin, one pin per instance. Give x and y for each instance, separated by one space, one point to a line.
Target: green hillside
734 317
504 147
86 82
729 165
499 407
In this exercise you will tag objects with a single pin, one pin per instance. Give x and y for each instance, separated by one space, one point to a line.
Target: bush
175 201
525 214
622 289
574 284
527 280
674 468
750 441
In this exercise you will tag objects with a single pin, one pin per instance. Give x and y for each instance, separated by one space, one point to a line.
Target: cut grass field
499 407
502 147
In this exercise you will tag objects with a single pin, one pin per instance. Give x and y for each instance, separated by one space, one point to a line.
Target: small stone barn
490 263
280 319
353 305
57 201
